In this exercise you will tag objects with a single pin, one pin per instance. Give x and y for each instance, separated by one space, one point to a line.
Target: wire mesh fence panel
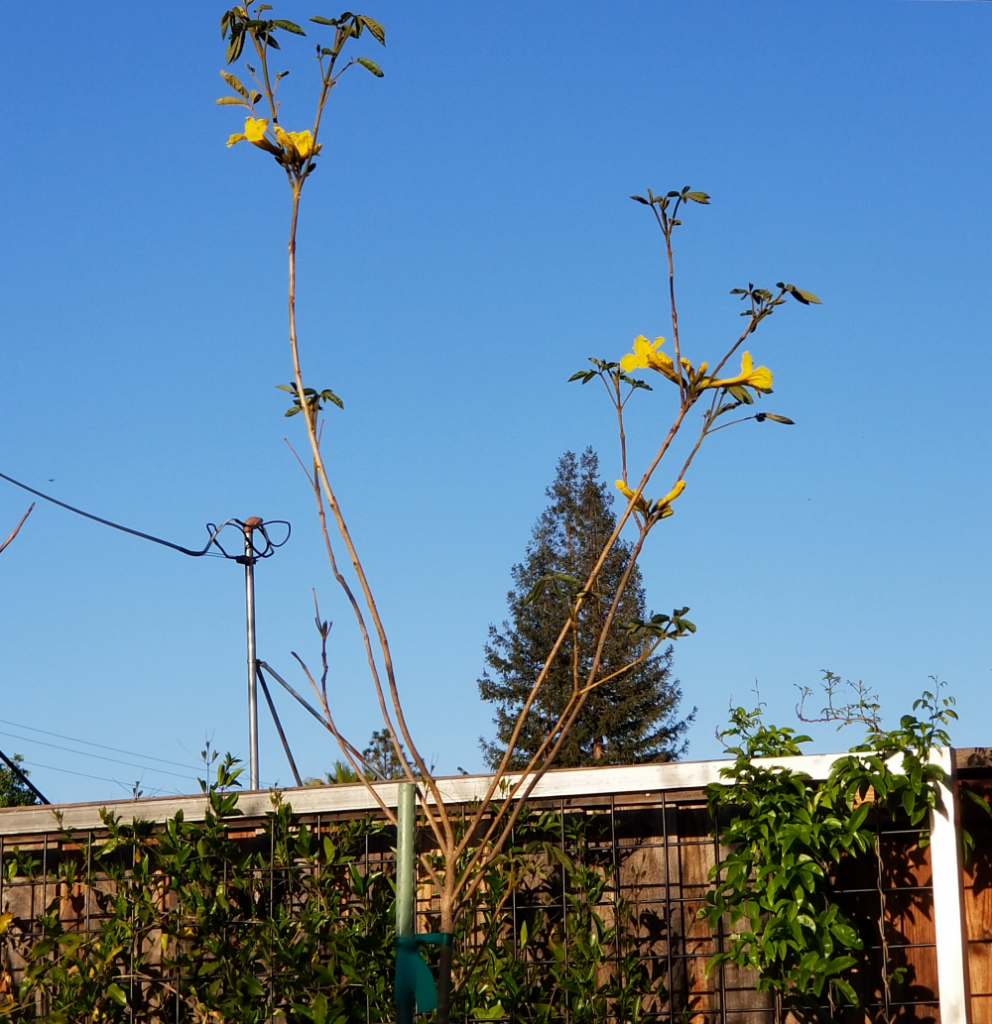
591 915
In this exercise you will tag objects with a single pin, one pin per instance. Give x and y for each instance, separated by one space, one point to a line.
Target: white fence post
948 908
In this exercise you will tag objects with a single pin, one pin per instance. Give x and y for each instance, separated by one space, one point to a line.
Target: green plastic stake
406 971
414 987
406 814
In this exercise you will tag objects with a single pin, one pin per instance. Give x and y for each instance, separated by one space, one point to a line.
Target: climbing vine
788 834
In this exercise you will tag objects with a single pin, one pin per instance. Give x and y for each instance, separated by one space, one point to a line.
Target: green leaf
698 197
775 418
117 994
859 816
235 83
799 295
288 26
640 199
976 799
231 101
332 22
583 375
839 963
318 1008
370 65
842 986
236 45
908 800
846 934
375 28
489 1013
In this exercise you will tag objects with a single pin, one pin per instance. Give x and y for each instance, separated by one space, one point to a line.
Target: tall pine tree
628 720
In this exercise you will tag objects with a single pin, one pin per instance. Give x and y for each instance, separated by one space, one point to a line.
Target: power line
99 757
99 778
213 530
91 743
69 771
251 553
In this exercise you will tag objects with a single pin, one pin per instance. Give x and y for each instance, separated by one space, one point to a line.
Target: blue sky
466 243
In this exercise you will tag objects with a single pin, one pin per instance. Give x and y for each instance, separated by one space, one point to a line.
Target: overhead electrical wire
85 775
251 553
102 778
85 753
69 771
91 743
261 552
98 757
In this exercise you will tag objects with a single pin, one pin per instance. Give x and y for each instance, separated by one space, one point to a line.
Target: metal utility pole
249 562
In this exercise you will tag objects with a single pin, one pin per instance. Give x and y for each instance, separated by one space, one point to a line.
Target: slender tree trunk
444 963
444 986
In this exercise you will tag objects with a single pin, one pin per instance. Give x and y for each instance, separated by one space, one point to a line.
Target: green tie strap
414 983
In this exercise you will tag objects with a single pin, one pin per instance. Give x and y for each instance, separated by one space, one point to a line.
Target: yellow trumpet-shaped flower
760 379
663 506
254 133
255 129
647 357
641 505
298 144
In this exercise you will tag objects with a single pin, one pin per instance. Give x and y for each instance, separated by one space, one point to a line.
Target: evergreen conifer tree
628 720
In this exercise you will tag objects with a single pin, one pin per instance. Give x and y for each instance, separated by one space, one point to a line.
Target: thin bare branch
17 529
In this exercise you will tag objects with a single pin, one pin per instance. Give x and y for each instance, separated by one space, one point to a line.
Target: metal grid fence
654 849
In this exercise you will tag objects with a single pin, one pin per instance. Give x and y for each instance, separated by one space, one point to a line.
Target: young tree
629 720
464 845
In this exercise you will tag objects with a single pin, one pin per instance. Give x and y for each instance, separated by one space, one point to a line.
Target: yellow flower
663 507
255 134
647 357
255 129
760 379
640 505
297 144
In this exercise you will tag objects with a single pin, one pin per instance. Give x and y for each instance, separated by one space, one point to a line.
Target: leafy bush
209 922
